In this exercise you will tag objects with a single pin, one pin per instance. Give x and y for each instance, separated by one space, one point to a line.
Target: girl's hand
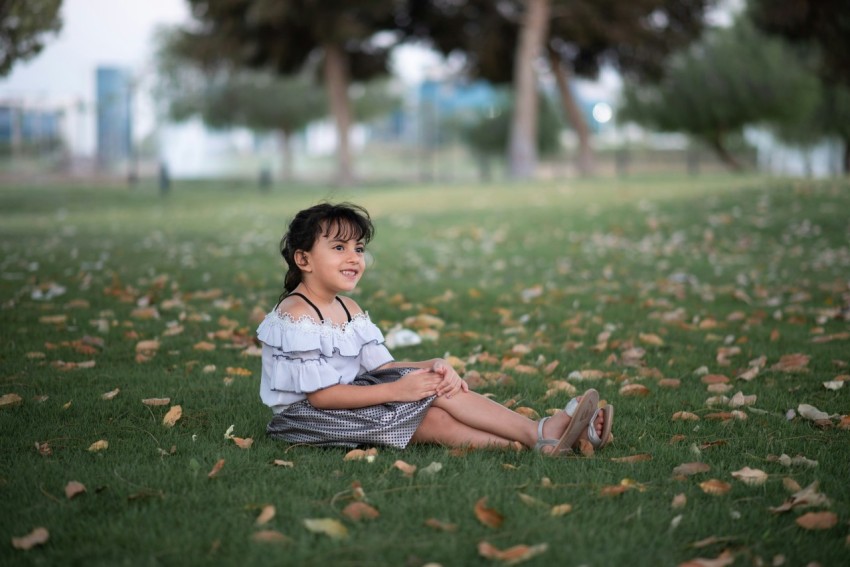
417 385
451 383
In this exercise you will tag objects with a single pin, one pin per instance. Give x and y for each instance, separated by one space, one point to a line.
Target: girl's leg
489 417
440 427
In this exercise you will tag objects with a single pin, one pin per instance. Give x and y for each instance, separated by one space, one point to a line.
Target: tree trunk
287 173
522 150
574 114
336 83
846 156
716 143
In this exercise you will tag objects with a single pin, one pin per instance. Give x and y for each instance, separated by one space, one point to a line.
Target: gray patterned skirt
391 424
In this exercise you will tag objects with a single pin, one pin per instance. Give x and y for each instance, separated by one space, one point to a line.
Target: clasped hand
440 379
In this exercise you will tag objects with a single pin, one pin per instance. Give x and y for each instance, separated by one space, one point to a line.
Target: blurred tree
583 35
487 132
227 98
733 78
23 27
821 27
352 40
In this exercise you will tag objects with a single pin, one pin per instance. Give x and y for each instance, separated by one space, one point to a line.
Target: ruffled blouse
302 355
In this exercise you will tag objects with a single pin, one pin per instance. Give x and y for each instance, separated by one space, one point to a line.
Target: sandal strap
594 439
541 441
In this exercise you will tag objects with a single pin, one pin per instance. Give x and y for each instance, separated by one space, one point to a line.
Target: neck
318 296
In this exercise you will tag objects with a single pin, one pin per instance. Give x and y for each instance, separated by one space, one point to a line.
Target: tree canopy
24 29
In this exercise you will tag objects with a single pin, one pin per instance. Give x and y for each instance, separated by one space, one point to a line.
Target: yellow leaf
685 416
174 414
110 395
204 346
237 371
513 555
74 488
487 516
270 536
38 536
266 515
406 468
148 347
216 468
651 339
527 412
817 520
53 319
561 509
634 390
633 458
101 445
367 455
360 510
328 526
10 400
156 401
530 500
715 487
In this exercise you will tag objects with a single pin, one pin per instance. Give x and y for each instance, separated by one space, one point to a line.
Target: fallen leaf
817 520
282 463
367 455
513 555
561 510
687 469
237 371
752 477
740 400
640 457
809 496
531 501
156 401
10 400
715 487
679 501
685 416
834 385
216 468
243 443
406 468
613 490
38 536
714 379
487 516
110 395
791 485
527 412
441 526
266 514
148 347
792 363
53 319
360 510
73 488
327 526
634 390
204 346
174 414
725 558
651 339
269 536
101 445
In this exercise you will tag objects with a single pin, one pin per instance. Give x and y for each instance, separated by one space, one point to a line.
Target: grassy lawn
640 288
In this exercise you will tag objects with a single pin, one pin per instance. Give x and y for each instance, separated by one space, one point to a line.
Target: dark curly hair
345 221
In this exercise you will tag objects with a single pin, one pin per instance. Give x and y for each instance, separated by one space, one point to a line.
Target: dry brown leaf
156 401
237 371
740 400
634 390
714 379
441 526
487 516
38 536
173 415
73 488
715 487
10 400
266 514
530 413
687 469
817 520
722 560
269 536
513 555
243 443
328 526
792 363
111 394
613 490
216 469
685 416
359 511
640 457
561 510
809 496
408 469
753 477
845 422
650 339
53 319
367 455
531 501
282 463
679 501
791 485
204 346
100 445
149 347
671 383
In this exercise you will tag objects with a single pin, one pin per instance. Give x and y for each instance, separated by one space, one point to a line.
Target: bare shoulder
351 305
295 307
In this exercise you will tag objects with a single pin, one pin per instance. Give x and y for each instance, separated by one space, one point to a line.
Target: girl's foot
561 432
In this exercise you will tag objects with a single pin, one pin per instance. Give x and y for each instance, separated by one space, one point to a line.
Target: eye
360 249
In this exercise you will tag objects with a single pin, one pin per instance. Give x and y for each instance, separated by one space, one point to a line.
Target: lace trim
308 323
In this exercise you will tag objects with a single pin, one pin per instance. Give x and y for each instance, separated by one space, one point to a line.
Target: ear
302 260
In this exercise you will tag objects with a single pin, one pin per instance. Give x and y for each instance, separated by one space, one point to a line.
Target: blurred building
26 126
114 91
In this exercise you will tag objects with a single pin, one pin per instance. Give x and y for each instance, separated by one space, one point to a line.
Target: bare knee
434 425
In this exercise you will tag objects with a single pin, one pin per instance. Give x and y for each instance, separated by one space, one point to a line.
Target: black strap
319 313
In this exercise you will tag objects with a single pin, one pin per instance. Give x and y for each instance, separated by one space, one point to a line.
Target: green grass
766 260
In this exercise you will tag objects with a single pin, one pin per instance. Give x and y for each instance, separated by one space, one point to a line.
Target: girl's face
336 262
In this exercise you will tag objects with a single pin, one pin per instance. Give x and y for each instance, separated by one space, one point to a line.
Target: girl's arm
411 387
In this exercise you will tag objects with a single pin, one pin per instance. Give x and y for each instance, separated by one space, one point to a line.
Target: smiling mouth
349 273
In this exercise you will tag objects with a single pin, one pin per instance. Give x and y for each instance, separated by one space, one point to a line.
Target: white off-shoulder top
303 355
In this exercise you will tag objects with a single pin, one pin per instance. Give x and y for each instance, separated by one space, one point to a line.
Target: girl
331 381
